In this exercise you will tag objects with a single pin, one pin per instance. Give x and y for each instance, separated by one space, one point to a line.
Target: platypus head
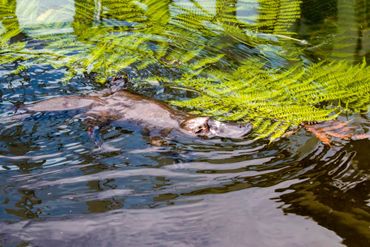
205 126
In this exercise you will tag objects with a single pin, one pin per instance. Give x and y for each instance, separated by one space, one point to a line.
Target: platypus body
151 115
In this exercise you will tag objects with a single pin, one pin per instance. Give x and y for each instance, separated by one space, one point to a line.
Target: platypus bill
123 106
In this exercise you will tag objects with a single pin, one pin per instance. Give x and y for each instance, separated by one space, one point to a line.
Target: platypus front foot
94 133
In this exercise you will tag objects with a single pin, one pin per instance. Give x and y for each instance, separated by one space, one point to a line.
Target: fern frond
283 99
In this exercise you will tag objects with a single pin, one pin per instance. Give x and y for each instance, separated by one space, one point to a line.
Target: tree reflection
337 29
25 208
95 188
334 193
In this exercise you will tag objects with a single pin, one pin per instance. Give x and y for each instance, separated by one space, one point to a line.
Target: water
57 188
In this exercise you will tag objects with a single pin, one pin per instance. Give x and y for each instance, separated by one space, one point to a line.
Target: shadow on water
57 188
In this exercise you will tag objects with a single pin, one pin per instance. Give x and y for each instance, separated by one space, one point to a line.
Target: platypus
151 115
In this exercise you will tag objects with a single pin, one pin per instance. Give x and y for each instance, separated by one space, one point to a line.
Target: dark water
57 188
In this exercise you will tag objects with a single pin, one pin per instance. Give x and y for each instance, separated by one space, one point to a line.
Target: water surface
57 188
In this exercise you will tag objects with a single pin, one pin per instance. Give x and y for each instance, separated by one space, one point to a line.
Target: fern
283 98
